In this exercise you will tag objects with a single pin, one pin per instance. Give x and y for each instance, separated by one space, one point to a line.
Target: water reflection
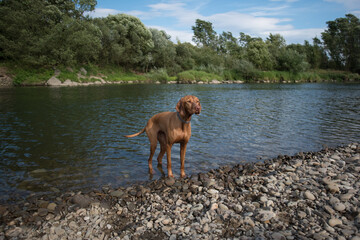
74 135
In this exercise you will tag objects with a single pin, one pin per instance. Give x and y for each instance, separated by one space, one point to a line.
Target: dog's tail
135 134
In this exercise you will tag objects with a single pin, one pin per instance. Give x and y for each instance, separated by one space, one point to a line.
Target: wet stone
169 181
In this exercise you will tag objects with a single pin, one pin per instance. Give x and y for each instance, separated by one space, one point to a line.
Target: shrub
158 75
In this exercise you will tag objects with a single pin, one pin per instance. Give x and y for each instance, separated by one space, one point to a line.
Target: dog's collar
182 120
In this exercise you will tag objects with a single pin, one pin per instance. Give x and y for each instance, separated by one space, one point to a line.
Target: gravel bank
309 195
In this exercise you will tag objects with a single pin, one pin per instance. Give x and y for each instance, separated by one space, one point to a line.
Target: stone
51 206
206 228
249 221
346 197
166 221
329 209
238 208
13 232
150 225
309 195
333 187
169 181
215 81
213 192
334 221
223 207
339 207
301 214
83 71
265 216
197 207
54 81
214 206
117 193
73 225
278 236
289 169
42 212
81 200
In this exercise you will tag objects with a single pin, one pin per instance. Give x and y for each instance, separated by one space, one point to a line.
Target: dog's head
188 105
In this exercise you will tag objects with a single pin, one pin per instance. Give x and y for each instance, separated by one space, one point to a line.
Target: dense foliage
52 33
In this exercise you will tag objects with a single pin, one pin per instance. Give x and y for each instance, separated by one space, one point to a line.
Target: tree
258 53
204 34
228 44
275 43
163 52
27 31
342 42
292 61
130 39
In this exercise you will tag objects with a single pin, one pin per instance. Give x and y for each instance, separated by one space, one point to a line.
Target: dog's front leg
182 159
168 155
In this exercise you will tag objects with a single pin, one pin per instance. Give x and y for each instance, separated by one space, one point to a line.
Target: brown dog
169 128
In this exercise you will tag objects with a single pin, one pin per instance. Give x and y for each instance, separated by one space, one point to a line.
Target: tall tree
204 34
342 41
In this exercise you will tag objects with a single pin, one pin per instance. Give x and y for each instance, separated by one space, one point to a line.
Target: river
71 138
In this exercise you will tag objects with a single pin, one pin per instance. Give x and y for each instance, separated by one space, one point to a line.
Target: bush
158 75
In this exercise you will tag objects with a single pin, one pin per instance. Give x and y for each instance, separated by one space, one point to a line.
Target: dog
169 128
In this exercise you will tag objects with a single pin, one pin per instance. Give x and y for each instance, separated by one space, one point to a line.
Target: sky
295 20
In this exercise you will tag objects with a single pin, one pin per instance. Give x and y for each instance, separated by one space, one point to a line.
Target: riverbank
308 195
93 75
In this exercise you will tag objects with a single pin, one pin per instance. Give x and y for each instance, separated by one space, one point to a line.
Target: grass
310 76
32 76
193 75
39 76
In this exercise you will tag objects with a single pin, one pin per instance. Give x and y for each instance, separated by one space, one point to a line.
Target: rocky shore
313 195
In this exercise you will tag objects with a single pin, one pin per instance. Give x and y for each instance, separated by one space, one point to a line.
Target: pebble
333 222
339 207
266 216
51 206
197 207
310 195
169 181
333 187
346 197
214 206
278 236
117 193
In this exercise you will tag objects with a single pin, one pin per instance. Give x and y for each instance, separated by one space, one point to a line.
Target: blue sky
295 20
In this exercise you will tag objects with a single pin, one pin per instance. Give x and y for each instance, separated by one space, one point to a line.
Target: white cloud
239 22
297 35
350 4
103 12
258 21
182 36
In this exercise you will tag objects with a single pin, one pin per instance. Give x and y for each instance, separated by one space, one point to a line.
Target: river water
60 139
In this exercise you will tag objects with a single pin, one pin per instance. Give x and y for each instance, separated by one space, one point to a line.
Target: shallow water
59 139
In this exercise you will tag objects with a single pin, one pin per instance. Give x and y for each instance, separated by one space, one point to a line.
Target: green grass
193 75
310 76
32 76
23 75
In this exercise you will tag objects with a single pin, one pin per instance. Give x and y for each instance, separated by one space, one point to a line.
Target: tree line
50 33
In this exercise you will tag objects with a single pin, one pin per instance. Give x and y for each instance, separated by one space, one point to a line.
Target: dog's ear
179 106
